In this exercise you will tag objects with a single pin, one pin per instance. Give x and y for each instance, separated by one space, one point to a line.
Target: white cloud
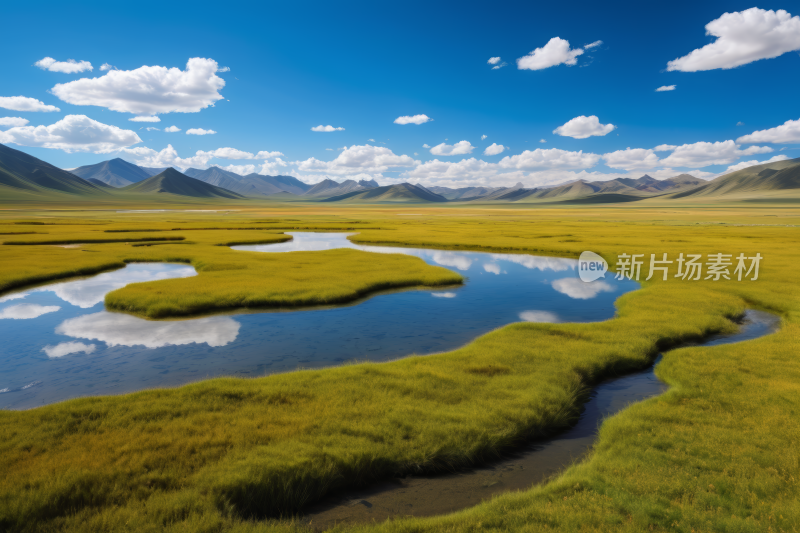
358 159
555 52
199 131
592 45
172 129
745 164
425 145
703 154
70 66
73 133
242 170
436 170
501 65
443 294
483 137
327 128
168 157
224 69
66 348
26 311
145 119
740 123
116 329
106 66
552 158
631 159
493 60
231 153
665 148
23 103
743 37
459 148
151 128
539 316
582 127
14 296
494 149
664 88
542 141
788 132
13 122
580 290
492 268
148 90
416 119
270 168
267 155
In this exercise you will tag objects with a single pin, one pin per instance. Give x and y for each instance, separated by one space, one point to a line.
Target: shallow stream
58 342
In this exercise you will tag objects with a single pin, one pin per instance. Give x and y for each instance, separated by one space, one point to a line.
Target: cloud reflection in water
124 330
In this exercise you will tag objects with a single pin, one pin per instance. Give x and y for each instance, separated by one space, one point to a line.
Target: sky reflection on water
65 345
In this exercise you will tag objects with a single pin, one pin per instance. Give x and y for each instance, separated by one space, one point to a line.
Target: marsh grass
716 453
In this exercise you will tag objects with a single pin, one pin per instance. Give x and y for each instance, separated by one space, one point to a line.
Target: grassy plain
718 452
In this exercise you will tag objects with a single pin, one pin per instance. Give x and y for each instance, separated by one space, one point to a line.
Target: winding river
58 342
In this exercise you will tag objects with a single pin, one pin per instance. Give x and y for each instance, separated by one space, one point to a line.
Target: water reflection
78 349
67 348
580 290
86 293
124 330
25 311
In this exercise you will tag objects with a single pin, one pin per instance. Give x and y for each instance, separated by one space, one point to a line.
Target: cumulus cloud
416 119
555 52
745 164
66 348
459 148
580 290
70 66
494 60
27 311
788 132
168 157
664 88
73 133
172 129
231 153
106 66
327 128
665 148
542 141
702 154
267 155
552 158
242 170
145 119
631 159
23 103
483 137
270 168
151 128
224 69
148 90
740 123
358 159
592 45
494 149
13 122
436 170
582 127
199 131
743 37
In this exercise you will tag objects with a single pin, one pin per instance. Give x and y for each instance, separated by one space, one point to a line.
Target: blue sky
361 65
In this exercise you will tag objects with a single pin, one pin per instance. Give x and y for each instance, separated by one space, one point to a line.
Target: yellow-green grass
718 452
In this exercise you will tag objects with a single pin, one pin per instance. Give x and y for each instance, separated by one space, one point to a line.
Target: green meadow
717 452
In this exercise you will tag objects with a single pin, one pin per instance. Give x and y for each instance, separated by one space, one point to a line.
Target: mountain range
23 176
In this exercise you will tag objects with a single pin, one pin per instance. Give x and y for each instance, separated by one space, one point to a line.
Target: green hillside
173 182
23 173
750 181
404 192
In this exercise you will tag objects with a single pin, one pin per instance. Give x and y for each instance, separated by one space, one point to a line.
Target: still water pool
57 341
